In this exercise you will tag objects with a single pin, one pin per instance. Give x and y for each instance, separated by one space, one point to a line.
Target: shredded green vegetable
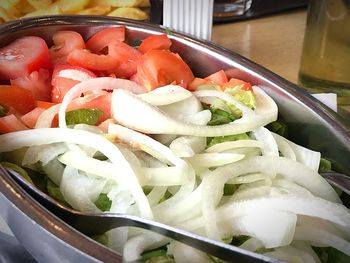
16 168
103 202
3 111
86 116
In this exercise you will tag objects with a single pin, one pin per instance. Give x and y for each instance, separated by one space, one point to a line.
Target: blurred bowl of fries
16 9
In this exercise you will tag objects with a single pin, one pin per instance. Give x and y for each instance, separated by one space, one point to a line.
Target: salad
102 124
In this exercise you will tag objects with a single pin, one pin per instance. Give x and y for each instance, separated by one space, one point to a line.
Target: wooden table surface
273 41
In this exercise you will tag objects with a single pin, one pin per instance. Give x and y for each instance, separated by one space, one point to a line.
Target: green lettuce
220 139
85 116
103 202
53 190
16 168
3 111
331 255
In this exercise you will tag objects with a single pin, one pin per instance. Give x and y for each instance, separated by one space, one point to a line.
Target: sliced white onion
16 140
291 254
80 191
183 253
43 153
214 159
126 109
95 84
166 95
313 206
188 146
290 169
225 146
303 155
264 136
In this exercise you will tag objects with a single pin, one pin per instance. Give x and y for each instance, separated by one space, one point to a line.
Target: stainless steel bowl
310 123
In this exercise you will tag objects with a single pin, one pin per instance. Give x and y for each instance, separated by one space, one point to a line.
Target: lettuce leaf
158 255
331 255
215 140
219 116
3 111
103 202
54 191
16 168
86 116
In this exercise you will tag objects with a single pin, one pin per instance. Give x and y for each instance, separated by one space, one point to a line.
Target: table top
273 41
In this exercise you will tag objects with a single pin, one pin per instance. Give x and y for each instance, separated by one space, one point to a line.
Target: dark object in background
230 11
254 8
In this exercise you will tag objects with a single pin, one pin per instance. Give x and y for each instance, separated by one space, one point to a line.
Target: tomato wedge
218 77
161 67
155 42
237 82
11 123
103 38
30 118
84 58
128 58
64 43
64 77
17 98
38 82
23 56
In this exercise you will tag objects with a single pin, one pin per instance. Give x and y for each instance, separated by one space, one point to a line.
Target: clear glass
225 8
325 61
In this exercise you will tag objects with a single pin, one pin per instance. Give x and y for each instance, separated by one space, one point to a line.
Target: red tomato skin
23 56
64 77
38 82
161 67
11 123
84 58
235 82
44 104
17 98
197 82
218 77
105 37
71 72
30 118
64 43
128 58
155 42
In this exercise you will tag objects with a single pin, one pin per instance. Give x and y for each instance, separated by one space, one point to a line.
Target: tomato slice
38 82
155 42
44 104
103 38
128 58
84 58
161 67
218 77
30 118
64 43
23 56
11 123
197 82
17 98
64 77
237 82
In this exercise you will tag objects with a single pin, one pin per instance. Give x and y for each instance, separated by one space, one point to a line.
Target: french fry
129 12
10 9
72 6
24 7
96 10
116 3
53 9
4 16
145 3
39 4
